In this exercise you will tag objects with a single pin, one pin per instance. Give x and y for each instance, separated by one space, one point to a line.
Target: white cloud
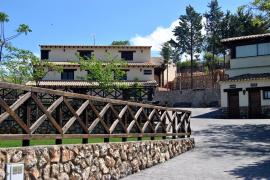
158 36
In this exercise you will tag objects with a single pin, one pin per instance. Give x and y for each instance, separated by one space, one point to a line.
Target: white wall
172 73
243 99
68 54
254 70
133 73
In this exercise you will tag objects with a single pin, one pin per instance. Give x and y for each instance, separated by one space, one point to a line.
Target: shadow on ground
239 141
215 114
259 170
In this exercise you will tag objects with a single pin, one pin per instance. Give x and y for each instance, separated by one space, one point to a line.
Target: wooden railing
28 113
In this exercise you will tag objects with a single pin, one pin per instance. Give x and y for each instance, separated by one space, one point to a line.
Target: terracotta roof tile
90 46
245 37
245 77
75 83
129 64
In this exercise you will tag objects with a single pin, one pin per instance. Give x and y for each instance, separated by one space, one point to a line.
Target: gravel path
225 149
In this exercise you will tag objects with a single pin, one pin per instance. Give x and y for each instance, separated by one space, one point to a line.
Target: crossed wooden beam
154 117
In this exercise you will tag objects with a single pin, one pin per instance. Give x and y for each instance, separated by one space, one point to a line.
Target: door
254 104
233 105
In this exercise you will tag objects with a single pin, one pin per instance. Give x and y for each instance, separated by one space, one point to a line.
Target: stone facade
196 98
92 161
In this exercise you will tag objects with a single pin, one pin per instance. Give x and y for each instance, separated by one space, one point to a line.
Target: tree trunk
1 50
168 76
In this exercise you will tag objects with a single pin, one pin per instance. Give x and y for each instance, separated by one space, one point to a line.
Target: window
246 51
266 94
264 49
127 55
67 74
124 77
147 72
44 54
85 54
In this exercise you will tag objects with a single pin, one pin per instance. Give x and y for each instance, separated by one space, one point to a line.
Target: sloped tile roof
129 64
245 77
245 37
77 83
90 46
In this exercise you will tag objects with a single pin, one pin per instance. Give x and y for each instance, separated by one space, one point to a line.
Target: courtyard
225 149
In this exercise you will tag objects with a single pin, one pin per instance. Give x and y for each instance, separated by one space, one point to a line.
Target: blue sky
143 22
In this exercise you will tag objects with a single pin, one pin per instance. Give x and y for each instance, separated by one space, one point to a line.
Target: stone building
246 94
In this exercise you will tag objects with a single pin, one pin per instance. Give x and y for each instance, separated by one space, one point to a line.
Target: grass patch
18 143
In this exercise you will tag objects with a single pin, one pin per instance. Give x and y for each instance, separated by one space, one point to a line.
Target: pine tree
188 35
213 31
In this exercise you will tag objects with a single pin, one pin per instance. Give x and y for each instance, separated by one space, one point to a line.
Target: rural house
140 70
246 94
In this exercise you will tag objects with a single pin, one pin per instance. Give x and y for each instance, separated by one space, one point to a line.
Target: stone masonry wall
92 161
196 98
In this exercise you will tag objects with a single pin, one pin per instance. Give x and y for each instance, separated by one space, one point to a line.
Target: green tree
213 29
106 71
166 53
188 35
20 66
124 43
22 29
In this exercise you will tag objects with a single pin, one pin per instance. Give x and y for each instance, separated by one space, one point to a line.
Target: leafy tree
213 28
22 29
262 11
166 53
209 62
106 71
20 66
124 43
188 35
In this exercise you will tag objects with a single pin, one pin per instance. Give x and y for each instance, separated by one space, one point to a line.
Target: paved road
225 149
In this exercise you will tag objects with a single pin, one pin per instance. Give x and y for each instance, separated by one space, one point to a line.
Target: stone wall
92 161
196 98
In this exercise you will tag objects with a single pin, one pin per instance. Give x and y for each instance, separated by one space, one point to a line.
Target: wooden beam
48 114
14 116
42 118
15 106
76 115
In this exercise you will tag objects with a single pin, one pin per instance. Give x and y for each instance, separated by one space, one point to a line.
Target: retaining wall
196 98
92 161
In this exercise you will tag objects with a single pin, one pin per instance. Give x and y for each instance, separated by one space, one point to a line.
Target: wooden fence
28 113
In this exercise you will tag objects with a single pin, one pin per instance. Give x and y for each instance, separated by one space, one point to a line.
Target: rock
17 157
94 168
109 161
42 162
67 155
54 154
135 165
63 176
106 177
86 173
2 174
89 160
55 170
123 155
103 150
46 171
103 167
75 176
167 156
34 173
67 168
30 161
